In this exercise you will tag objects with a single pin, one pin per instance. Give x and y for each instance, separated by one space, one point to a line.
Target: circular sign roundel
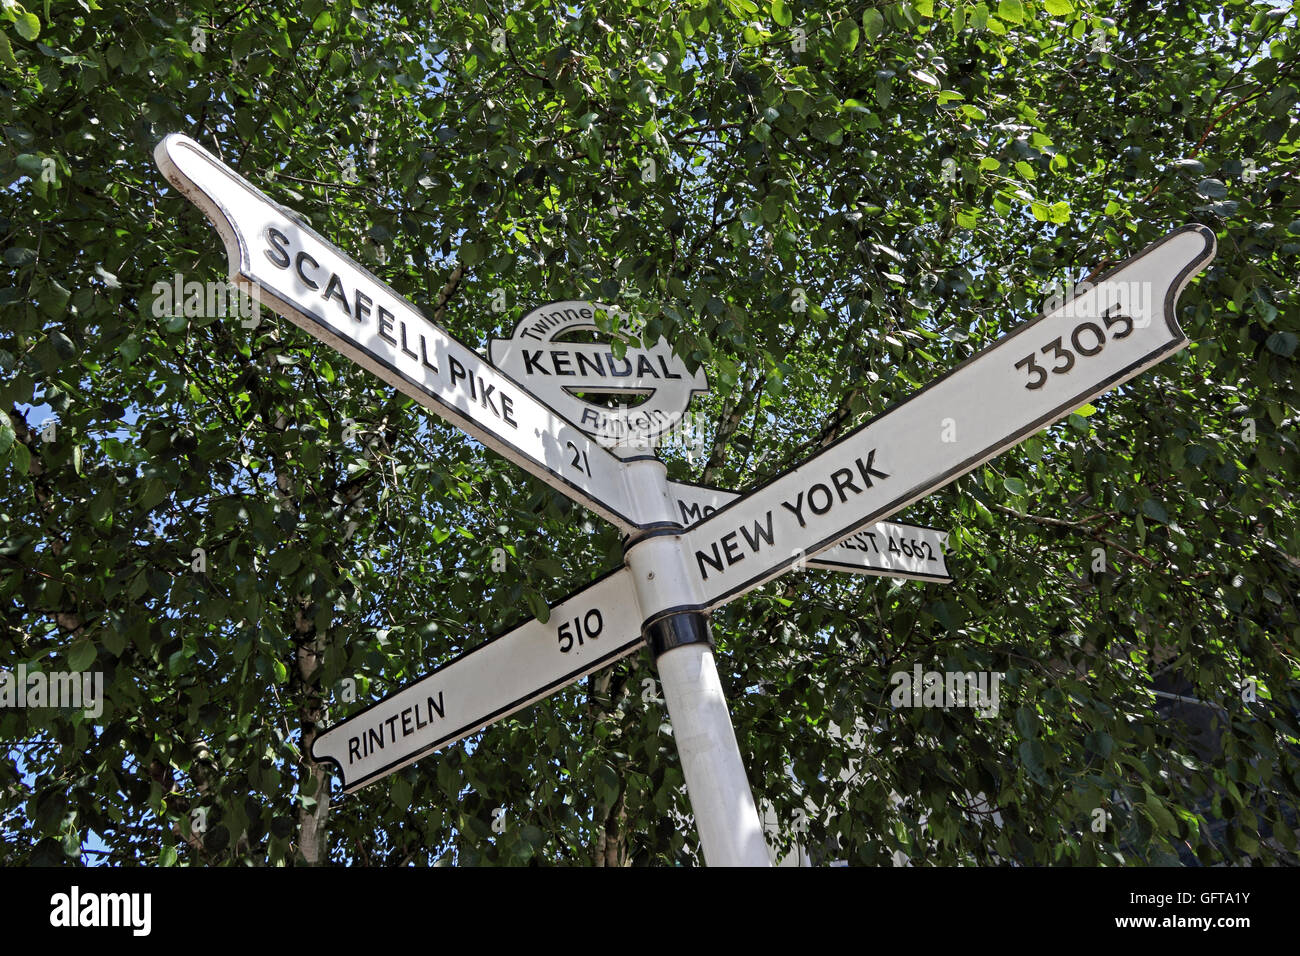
559 372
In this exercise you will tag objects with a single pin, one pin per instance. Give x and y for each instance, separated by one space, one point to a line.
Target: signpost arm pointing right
1027 380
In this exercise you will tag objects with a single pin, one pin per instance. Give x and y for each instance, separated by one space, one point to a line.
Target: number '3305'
1087 340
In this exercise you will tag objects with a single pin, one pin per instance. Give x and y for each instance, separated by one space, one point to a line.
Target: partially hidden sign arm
1033 376
882 548
298 273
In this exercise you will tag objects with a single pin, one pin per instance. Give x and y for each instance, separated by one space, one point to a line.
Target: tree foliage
919 175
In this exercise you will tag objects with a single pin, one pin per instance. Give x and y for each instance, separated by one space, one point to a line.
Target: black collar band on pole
688 627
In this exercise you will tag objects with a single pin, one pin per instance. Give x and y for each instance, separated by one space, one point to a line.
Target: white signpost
834 504
1030 378
898 550
290 267
585 632
557 371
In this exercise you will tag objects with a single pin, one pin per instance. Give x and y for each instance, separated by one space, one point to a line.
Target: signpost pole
726 817
731 833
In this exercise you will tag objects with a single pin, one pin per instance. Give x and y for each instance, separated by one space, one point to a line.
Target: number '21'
579 459
1087 338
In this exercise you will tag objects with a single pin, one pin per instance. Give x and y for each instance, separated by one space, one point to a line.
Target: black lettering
298 260
827 492
407 729
714 562
386 325
533 362
277 252
589 417
796 509
424 355
866 470
436 706
334 290
354 749
508 411
363 303
597 366
405 350
690 513
759 533
643 367
420 724
485 396
663 364
376 737
558 358
392 734
731 549
457 370
845 482
614 371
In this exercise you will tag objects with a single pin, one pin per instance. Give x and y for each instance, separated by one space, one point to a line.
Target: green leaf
1155 511
1060 8
873 23
537 605
1212 188
1015 486
22 457
1031 755
81 655
129 348
63 345
781 14
1282 343
28 25
1160 816
1011 10
846 31
7 51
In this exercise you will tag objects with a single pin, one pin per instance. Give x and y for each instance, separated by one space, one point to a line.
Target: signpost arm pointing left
291 268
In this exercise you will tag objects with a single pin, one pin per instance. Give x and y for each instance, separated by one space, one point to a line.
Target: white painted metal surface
1032 377
587 631
540 358
294 270
884 548
731 833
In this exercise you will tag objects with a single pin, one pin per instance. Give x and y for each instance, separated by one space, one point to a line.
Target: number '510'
587 628
1087 338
